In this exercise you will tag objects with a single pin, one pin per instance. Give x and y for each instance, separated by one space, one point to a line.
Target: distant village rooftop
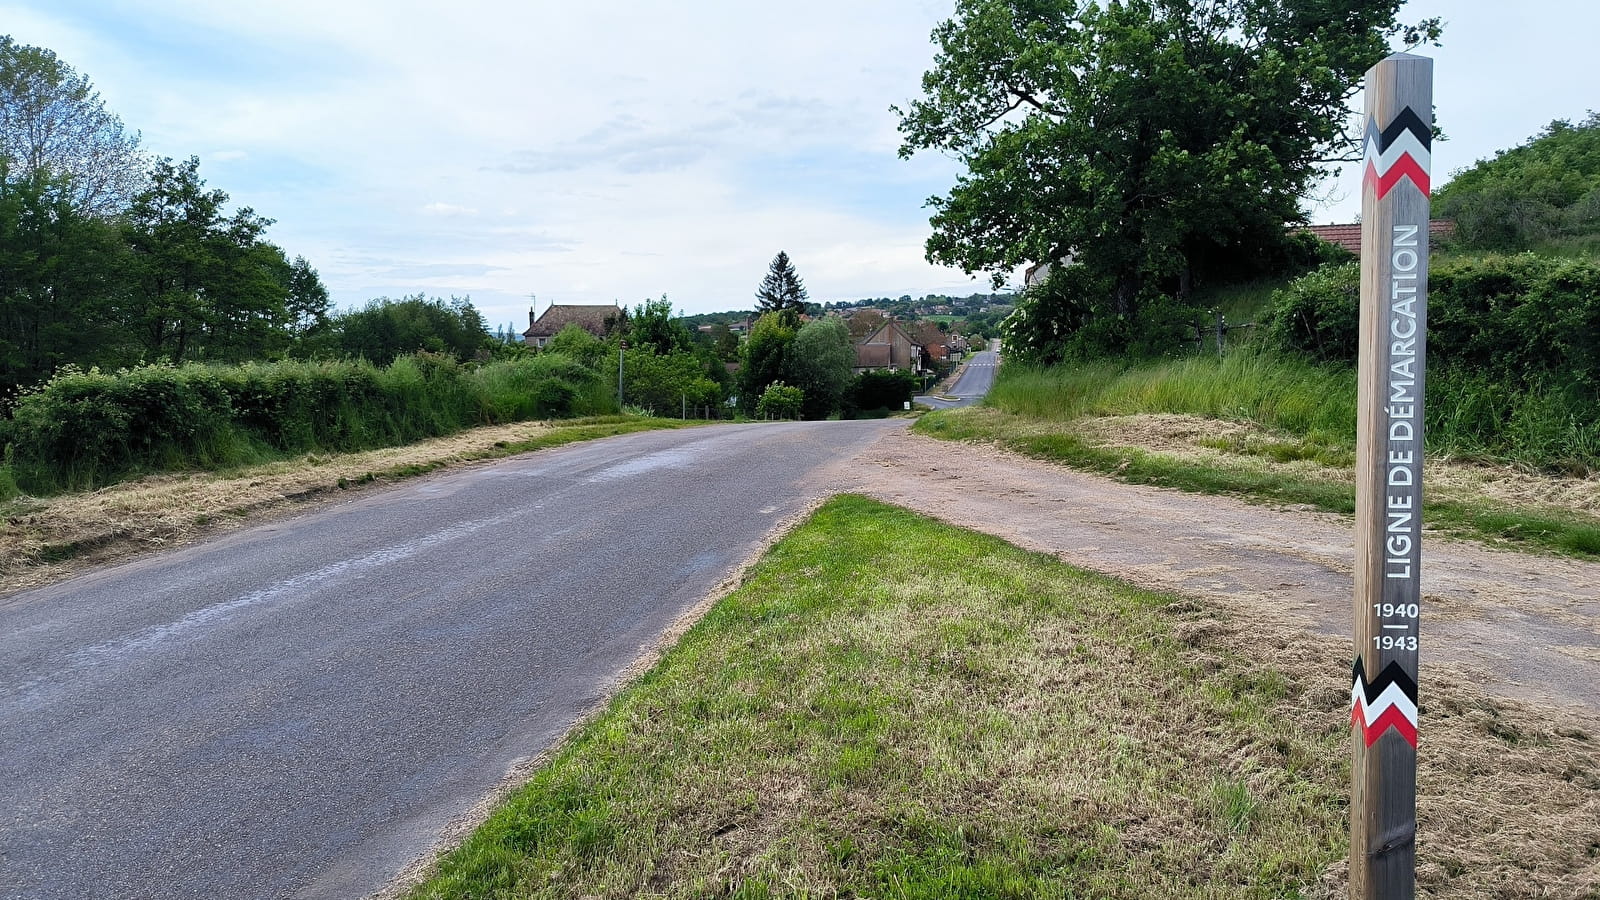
591 318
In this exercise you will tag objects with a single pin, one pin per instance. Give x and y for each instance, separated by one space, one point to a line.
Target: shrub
82 429
1318 315
780 401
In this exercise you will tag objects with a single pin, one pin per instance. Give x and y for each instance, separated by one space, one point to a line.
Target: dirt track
1519 626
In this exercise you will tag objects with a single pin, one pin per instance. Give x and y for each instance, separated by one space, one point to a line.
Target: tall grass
83 430
1466 414
1282 394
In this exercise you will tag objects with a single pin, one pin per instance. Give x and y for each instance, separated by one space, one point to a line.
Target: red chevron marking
1404 167
1390 718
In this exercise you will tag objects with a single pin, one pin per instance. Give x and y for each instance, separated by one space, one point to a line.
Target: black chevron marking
1391 674
1406 121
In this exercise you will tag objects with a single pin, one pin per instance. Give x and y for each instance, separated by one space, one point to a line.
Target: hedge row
83 430
1513 351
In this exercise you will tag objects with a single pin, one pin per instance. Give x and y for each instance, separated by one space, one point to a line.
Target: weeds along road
298 709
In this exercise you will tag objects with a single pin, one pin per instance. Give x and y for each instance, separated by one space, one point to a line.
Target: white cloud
448 209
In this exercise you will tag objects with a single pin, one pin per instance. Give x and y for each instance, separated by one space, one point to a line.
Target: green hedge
83 430
1513 351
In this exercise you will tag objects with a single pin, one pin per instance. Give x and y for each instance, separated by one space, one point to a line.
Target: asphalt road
297 709
972 386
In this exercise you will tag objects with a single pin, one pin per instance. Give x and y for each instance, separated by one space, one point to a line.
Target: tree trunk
1125 297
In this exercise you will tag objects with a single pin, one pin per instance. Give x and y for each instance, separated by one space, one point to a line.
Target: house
1348 236
593 319
889 347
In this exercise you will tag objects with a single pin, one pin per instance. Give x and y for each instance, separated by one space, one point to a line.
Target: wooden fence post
1394 316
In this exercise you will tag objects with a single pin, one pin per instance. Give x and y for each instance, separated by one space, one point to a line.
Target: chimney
530 317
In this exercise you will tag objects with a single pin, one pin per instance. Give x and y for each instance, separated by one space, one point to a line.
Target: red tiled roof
1349 236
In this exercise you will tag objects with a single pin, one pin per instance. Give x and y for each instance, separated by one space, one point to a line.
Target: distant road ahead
297 709
972 386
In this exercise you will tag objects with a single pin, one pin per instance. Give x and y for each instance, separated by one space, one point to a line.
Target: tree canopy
1143 144
53 123
1544 192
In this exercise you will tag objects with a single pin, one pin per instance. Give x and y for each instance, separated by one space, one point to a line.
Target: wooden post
1394 318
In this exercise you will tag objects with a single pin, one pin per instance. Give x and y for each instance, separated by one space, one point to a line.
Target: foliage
651 324
765 357
107 259
1518 320
821 365
575 341
879 391
60 277
1544 193
1141 146
781 290
665 382
85 429
780 401
385 329
1318 315
54 126
203 283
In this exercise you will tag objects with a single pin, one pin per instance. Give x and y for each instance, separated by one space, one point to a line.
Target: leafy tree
880 391
204 284
53 123
575 342
59 273
1546 191
820 365
651 324
764 357
665 382
385 328
781 290
724 342
1145 144
307 302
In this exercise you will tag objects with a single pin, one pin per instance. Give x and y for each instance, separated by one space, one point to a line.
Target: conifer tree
782 290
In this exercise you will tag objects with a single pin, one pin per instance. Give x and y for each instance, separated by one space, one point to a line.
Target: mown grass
893 707
37 533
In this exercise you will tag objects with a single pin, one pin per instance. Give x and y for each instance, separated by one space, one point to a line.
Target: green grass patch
892 707
1284 395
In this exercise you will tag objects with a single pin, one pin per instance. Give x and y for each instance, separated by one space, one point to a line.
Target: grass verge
893 707
41 539
1311 471
856 721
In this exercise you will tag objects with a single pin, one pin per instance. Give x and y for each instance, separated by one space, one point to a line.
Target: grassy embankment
1257 426
892 707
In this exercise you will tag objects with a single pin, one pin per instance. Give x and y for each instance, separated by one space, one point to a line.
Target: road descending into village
976 378
299 708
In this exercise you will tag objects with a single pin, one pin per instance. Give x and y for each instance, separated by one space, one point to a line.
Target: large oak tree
1137 145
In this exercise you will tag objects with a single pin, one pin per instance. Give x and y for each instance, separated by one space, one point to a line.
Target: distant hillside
1543 195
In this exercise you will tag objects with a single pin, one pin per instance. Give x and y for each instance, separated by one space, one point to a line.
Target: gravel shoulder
1519 626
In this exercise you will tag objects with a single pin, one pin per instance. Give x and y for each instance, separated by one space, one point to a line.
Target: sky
537 152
